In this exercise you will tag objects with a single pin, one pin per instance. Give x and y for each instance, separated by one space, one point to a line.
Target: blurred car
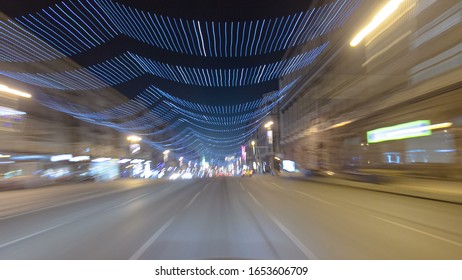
248 173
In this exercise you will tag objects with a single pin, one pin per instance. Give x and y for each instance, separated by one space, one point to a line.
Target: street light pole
270 144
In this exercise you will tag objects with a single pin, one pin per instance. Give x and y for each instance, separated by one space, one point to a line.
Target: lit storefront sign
403 131
288 165
269 133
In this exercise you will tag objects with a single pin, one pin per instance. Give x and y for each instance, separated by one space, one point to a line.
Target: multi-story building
408 69
30 133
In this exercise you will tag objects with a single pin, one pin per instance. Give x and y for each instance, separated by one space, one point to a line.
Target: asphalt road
261 217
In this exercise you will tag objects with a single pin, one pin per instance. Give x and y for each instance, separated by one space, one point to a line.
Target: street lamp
4 88
134 144
381 16
254 155
269 134
134 138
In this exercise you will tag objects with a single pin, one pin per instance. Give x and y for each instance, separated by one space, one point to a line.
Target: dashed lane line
151 240
305 250
419 231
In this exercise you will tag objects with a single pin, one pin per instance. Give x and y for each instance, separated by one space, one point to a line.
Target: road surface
262 217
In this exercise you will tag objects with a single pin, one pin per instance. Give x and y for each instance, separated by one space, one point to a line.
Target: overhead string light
129 66
180 129
75 26
154 104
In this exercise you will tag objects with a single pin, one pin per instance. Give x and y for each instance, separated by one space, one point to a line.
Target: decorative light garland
75 26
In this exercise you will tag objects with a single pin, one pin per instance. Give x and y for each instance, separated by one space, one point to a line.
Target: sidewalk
449 191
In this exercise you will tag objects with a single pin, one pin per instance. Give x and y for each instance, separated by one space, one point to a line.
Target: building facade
409 69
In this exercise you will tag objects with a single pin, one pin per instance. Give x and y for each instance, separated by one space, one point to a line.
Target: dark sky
226 10
210 10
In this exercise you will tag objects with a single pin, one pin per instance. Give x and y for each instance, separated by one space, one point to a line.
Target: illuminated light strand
129 66
75 26
190 135
154 96
145 124
212 146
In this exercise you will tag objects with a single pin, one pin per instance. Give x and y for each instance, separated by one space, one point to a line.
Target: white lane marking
151 240
254 199
242 186
317 198
194 198
71 196
305 194
307 252
419 231
68 222
67 203
65 223
279 187
128 201
56 205
32 235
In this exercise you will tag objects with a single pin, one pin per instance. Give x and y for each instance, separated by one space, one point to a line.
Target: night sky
205 10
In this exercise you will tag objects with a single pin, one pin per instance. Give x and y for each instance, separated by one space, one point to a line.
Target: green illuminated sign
400 131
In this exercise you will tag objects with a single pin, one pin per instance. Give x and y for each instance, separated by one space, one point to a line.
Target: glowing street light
166 152
4 88
381 16
268 124
134 138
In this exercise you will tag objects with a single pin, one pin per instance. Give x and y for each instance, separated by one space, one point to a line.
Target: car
248 173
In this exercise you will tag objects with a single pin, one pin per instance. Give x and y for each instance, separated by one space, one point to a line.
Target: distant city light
61 157
102 159
79 158
6 111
